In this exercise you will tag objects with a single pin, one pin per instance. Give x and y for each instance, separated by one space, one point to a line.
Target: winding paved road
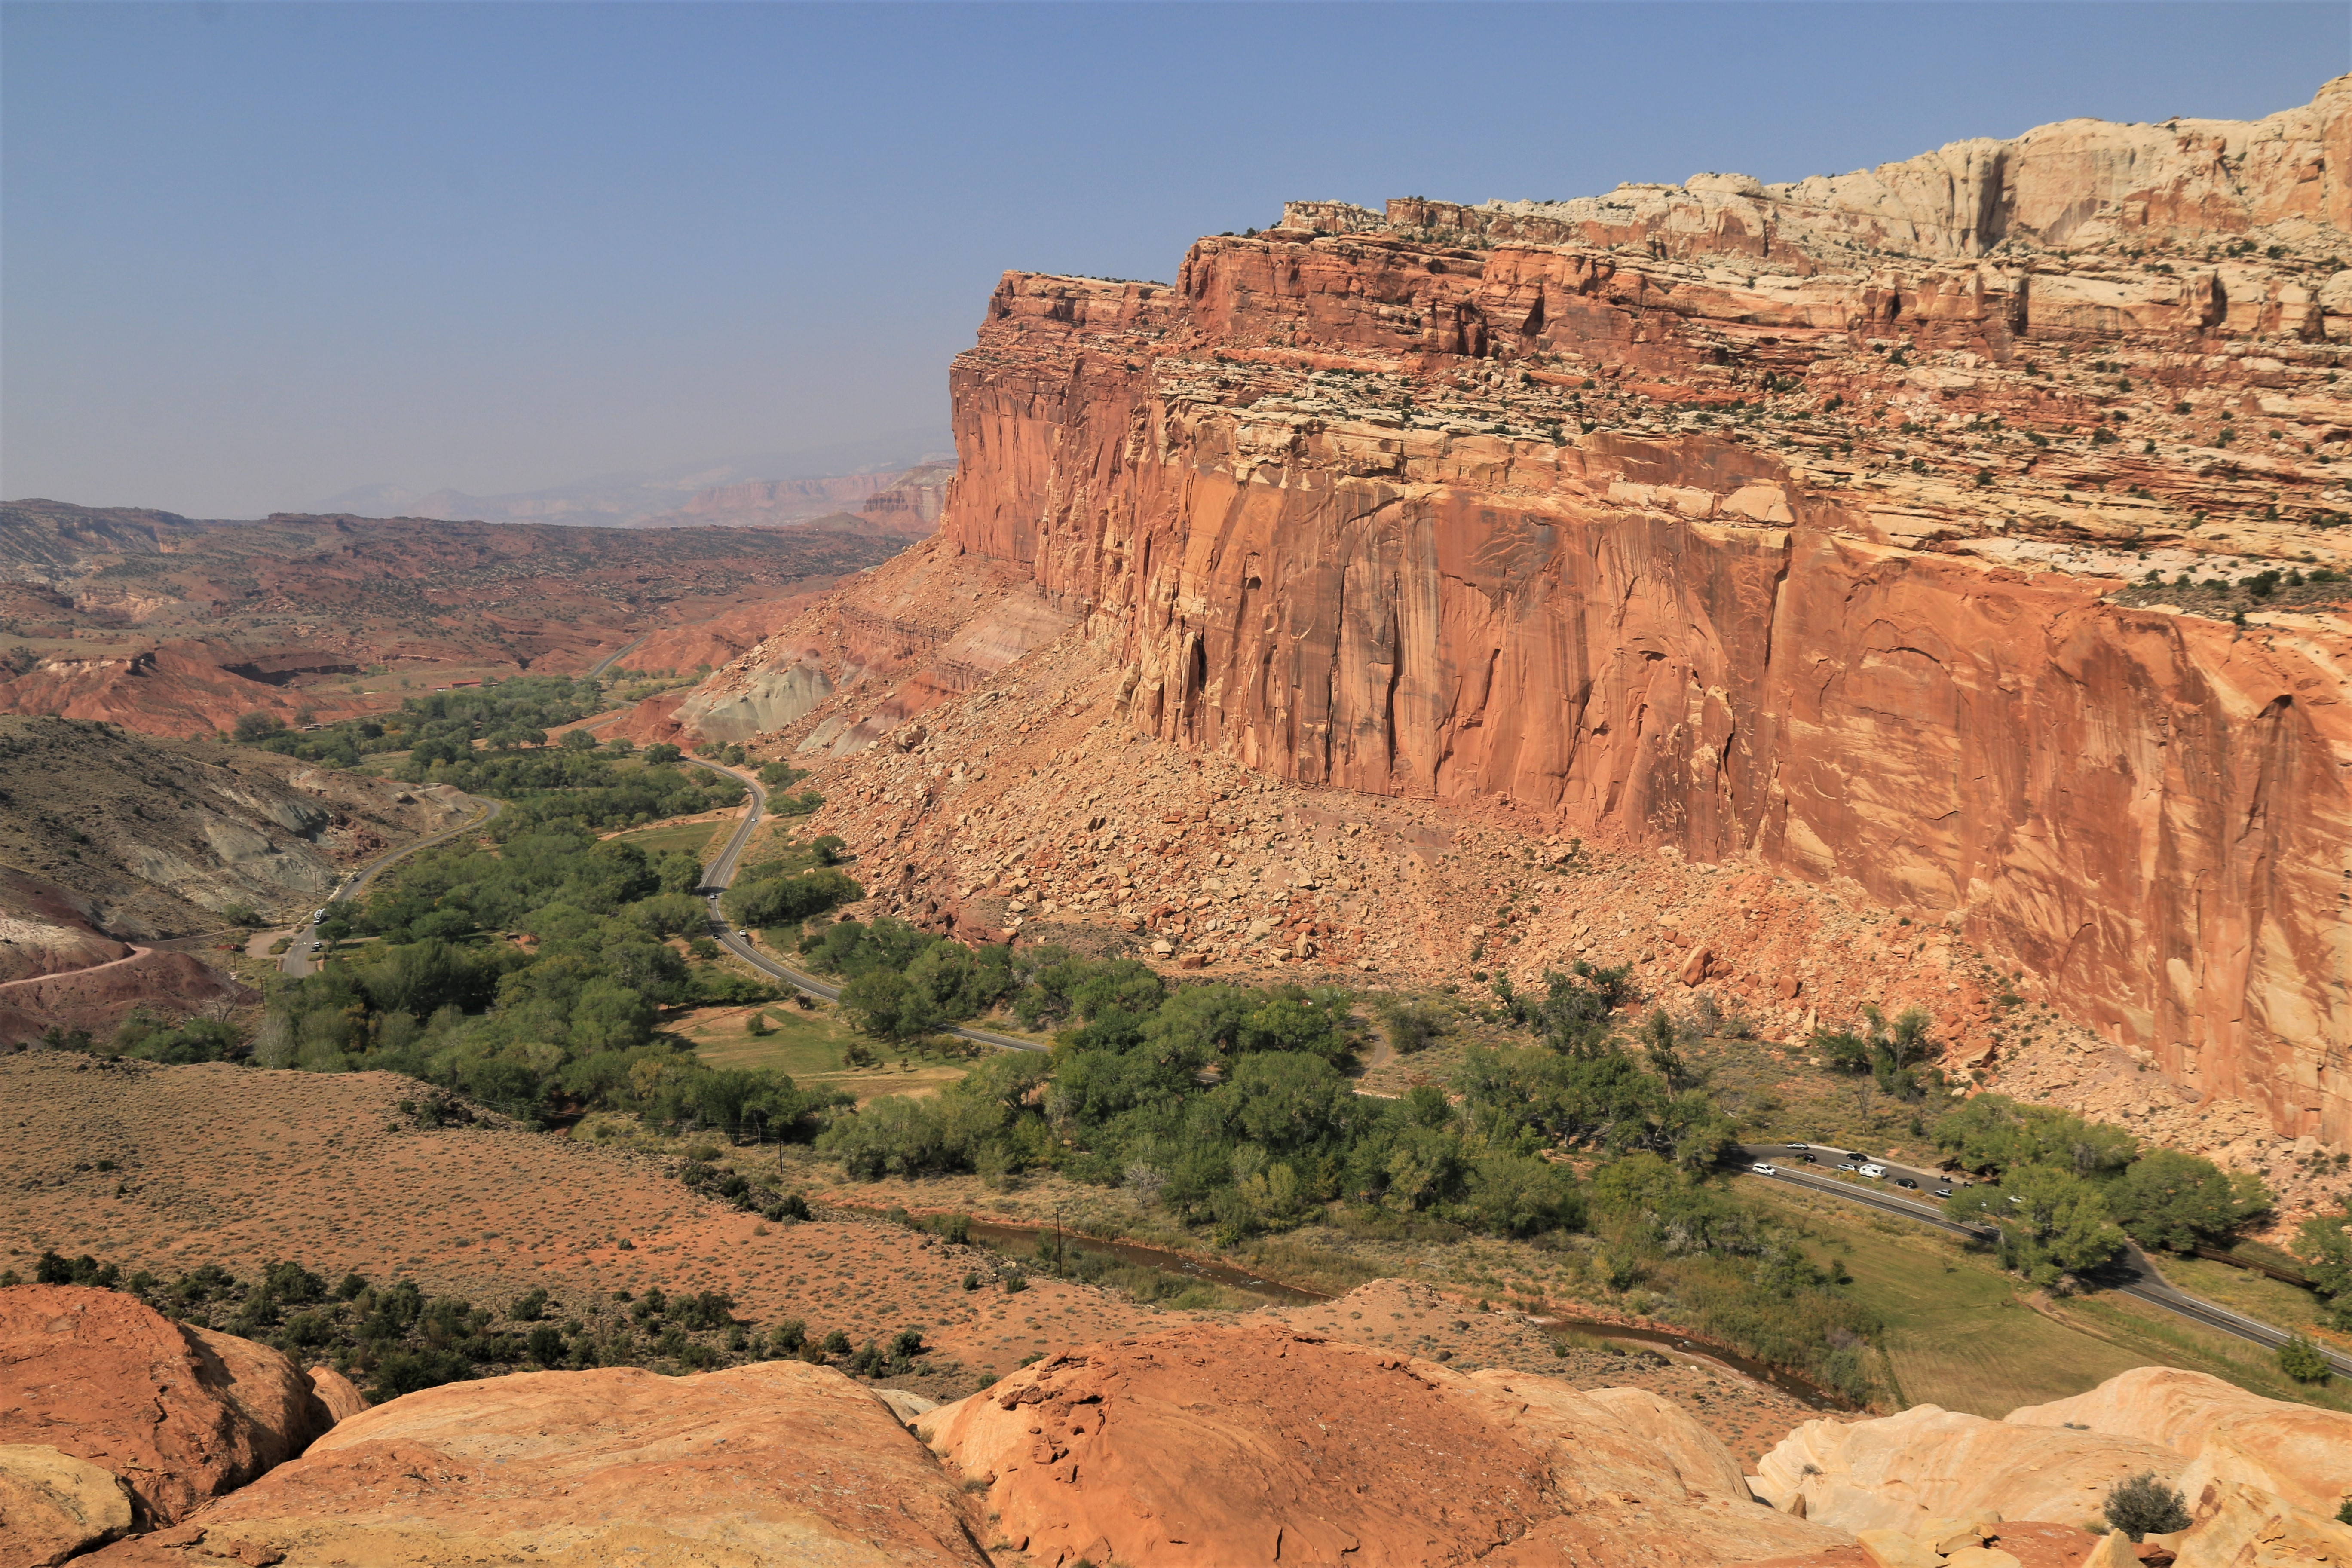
721 871
613 658
2141 1278
297 961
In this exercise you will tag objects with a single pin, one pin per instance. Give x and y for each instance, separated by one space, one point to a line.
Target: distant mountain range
623 500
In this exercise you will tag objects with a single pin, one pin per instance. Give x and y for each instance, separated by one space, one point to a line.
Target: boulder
1701 1462
53 1505
907 1407
1902 1472
778 1462
335 1394
1248 1444
2301 1453
179 1415
1892 1549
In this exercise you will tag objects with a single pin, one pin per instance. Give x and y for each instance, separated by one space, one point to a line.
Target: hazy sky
253 255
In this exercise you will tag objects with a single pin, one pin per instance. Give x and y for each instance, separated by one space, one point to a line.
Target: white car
1762 1169
1799 1148
1874 1170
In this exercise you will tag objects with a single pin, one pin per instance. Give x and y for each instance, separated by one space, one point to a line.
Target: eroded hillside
175 627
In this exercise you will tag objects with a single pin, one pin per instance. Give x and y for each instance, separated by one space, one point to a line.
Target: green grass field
812 1049
700 839
1962 1335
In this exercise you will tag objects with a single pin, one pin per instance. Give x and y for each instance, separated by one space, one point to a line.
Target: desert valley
1661 879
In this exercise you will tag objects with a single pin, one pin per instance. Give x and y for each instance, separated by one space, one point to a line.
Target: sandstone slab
53 1505
1900 1472
1249 1444
778 1462
2299 1452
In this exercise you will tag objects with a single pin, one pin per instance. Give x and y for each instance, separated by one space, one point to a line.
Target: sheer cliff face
1846 570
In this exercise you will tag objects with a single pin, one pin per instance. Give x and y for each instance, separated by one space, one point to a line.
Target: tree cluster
2070 1190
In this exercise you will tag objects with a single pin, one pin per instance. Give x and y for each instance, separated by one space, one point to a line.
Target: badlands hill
110 841
1912 582
1242 1443
175 627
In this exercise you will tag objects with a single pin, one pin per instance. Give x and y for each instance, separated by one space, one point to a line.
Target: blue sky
253 255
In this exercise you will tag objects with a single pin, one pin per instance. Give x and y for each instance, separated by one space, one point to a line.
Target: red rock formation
179 1415
780 1462
1258 1445
1746 553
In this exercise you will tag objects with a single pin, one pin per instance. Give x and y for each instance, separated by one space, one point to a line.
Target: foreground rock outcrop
776 1463
175 1416
1255 1445
2301 1453
2263 1477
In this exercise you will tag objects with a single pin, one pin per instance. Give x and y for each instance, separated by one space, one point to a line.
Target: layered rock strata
1830 525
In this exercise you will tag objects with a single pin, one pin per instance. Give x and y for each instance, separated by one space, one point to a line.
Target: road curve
721 872
610 659
2141 1280
297 961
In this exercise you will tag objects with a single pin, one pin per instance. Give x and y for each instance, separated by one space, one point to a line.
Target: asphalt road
297 961
613 658
2135 1274
721 871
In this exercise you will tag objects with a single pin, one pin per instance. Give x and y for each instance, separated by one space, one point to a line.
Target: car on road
1799 1148
1873 1171
1762 1169
1908 1184
1849 1165
317 945
744 934
1943 1192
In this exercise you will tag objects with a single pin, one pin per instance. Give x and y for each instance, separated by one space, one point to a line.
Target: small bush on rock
2144 1506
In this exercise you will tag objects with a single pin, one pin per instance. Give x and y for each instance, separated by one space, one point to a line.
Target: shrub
2303 1361
1409 1026
2144 1506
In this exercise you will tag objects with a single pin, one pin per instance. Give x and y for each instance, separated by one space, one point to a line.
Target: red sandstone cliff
1743 545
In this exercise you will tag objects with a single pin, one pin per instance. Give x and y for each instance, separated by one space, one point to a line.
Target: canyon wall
1766 552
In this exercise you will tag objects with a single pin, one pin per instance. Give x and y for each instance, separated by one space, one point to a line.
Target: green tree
578 741
252 727
2303 1361
1660 1044
2052 1222
1994 1132
2176 1201
2323 1242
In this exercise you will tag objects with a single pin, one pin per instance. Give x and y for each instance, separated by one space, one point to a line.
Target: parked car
1873 1171
1762 1169
1943 1192
1906 1183
1849 1165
